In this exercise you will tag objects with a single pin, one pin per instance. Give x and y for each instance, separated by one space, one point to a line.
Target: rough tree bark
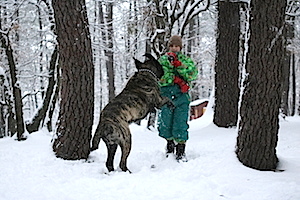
77 80
258 128
227 65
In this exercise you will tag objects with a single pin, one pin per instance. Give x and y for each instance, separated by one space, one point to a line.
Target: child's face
174 48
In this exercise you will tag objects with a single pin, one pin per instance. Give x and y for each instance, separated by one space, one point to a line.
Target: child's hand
184 87
172 57
176 63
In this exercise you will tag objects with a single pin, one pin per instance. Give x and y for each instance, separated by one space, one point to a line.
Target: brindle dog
140 96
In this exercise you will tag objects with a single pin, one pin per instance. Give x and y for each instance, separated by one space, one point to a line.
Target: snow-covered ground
30 171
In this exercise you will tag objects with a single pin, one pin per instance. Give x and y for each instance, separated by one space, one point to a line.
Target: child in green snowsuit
179 71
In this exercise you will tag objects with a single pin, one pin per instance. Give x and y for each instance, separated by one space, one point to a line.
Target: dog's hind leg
111 151
125 148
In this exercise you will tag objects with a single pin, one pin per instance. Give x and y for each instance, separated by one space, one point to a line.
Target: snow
198 101
30 170
2 72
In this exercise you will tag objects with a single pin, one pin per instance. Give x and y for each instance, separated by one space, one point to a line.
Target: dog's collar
151 72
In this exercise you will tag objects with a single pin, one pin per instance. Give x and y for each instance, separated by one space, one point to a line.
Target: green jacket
188 71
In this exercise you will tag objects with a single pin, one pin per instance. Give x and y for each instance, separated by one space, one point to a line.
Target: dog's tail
97 137
103 129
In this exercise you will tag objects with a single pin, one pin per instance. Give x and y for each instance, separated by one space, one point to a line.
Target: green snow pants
172 123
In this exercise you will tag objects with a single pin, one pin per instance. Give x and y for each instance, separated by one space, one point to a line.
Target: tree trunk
285 85
258 128
109 52
227 65
293 86
101 35
3 106
18 105
54 99
41 52
77 80
287 106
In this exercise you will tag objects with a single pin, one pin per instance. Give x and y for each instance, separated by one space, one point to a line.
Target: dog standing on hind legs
140 96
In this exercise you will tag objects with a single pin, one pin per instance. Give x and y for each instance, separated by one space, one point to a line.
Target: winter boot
180 152
170 147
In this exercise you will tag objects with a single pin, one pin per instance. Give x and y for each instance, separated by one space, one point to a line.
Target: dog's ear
138 64
148 55
152 60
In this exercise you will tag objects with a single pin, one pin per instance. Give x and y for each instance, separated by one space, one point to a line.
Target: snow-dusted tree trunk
99 39
258 127
109 52
77 80
288 81
18 105
227 65
6 44
3 105
293 30
293 87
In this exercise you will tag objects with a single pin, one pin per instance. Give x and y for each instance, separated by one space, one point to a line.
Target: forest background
120 30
